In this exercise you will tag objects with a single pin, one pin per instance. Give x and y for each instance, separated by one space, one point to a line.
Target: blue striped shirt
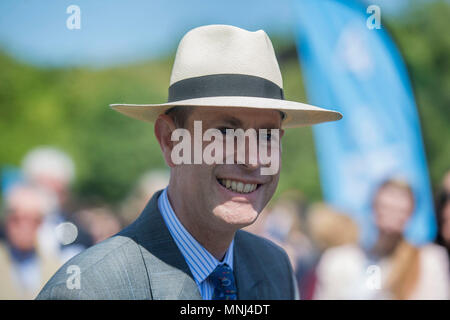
200 261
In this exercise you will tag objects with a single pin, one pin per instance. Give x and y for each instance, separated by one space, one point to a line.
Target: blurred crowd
325 249
43 225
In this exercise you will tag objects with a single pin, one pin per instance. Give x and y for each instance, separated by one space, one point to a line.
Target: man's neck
214 240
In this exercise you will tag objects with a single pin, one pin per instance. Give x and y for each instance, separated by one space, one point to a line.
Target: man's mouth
238 186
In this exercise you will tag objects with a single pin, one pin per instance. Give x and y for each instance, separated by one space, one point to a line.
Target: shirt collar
200 261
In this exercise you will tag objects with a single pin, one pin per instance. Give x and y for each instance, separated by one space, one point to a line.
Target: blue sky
118 31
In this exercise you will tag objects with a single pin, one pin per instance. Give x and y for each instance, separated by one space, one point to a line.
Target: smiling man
187 243
214 212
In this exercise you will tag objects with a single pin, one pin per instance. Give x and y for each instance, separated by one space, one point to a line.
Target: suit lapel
168 273
249 279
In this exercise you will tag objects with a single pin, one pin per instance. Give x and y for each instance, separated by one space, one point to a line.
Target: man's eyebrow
237 123
232 121
269 126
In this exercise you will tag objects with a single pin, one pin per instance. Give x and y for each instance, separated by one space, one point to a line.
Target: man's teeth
238 186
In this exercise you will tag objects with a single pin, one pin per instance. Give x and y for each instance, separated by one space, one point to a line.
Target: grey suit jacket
143 262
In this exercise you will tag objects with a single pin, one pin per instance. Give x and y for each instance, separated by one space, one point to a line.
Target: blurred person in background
446 182
148 184
100 222
443 215
412 272
53 169
405 271
328 229
24 268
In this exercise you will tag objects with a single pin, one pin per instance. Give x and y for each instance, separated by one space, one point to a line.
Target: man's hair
179 115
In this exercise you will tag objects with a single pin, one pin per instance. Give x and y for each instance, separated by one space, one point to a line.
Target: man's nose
251 153
252 160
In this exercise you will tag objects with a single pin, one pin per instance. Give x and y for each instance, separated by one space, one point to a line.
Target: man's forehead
239 117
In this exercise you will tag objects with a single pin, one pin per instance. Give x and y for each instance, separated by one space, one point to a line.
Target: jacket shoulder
265 248
111 269
273 262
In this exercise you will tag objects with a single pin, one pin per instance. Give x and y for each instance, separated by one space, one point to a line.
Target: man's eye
267 136
223 130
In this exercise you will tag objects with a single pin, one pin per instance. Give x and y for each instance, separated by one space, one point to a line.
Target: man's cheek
270 154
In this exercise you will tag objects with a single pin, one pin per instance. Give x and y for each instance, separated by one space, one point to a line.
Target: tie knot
222 279
221 275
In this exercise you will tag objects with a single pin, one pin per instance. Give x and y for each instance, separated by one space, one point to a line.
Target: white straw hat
226 66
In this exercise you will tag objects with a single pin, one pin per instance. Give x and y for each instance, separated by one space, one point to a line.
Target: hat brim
297 114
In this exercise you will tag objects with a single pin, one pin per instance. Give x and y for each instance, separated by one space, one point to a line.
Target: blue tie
222 279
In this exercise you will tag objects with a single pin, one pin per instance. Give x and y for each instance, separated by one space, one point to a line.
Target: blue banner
352 66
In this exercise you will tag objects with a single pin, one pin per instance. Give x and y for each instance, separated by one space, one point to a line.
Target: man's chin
237 218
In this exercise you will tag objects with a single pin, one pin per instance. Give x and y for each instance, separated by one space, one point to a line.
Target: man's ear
164 126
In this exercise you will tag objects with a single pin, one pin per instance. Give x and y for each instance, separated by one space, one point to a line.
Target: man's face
23 220
205 186
393 208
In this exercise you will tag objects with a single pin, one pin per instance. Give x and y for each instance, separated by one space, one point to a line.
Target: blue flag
350 64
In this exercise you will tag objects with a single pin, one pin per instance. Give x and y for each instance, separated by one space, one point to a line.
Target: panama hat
226 66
